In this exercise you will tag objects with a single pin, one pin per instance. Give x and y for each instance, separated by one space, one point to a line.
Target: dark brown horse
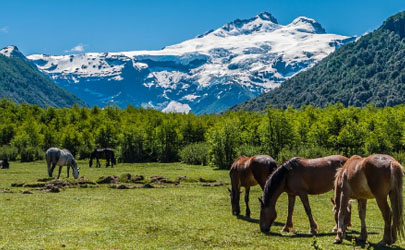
247 172
375 177
298 176
4 164
103 153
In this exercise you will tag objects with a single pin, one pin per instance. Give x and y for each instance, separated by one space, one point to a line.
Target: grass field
185 216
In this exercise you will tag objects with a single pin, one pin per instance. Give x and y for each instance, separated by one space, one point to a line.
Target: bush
132 146
306 151
195 154
8 152
32 154
399 156
223 140
250 150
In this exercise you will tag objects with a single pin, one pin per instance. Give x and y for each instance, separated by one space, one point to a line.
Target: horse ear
332 200
261 201
229 190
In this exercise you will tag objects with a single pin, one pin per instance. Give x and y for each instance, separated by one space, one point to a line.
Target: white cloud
4 29
78 48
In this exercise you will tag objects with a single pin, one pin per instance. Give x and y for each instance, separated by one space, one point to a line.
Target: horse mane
276 178
339 172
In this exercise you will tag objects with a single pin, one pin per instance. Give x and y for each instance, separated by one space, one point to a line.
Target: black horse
4 164
103 153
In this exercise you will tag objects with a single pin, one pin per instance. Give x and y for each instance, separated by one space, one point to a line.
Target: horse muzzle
265 229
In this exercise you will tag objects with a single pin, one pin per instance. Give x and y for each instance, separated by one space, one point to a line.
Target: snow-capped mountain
209 73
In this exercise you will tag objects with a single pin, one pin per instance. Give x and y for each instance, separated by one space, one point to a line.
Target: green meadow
189 215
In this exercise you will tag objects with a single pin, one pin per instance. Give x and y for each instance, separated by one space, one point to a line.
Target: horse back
52 155
241 174
314 176
262 166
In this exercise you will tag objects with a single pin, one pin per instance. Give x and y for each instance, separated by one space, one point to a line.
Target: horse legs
288 227
60 170
67 171
107 163
247 189
362 215
386 213
341 227
53 168
312 222
98 163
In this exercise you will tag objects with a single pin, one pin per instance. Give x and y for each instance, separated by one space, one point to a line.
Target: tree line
142 135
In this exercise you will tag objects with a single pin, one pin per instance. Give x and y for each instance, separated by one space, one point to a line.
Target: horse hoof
287 230
313 232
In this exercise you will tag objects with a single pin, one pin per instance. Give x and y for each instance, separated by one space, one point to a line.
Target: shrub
31 154
306 151
399 156
223 141
250 150
8 152
132 146
196 154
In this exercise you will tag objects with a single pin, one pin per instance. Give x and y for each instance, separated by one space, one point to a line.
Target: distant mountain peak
263 22
12 52
308 24
267 16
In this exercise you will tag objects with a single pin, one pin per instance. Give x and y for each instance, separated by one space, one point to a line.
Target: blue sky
60 27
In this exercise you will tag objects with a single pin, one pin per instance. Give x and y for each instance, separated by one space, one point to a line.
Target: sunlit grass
188 215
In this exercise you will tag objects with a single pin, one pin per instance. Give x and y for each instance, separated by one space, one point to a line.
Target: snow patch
177 107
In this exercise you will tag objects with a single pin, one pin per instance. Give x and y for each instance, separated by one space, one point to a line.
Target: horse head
75 169
268 215
348 218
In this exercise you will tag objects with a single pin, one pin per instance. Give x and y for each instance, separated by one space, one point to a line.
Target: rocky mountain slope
371 70
23 82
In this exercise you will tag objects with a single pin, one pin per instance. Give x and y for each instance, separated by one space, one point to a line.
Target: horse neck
275 186
235 181
274 197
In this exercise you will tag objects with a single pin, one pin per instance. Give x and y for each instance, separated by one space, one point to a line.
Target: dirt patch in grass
125 181
108 179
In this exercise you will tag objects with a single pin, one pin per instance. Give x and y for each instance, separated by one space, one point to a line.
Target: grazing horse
103 153
61 157
298 176
375 177
247 172
4 164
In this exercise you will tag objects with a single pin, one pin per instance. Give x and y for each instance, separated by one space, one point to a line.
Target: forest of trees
141 135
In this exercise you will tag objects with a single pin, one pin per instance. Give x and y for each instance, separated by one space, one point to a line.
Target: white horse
61 157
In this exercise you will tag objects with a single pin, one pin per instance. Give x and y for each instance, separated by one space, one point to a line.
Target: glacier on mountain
209 73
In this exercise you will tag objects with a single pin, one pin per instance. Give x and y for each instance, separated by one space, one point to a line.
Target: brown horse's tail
396 200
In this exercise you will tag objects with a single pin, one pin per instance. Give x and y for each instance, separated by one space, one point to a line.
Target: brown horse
247 172
375 177
298 176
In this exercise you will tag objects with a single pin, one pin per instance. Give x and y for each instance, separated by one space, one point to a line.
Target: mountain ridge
218 69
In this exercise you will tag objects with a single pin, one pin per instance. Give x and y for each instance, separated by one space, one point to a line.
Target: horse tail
396 200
